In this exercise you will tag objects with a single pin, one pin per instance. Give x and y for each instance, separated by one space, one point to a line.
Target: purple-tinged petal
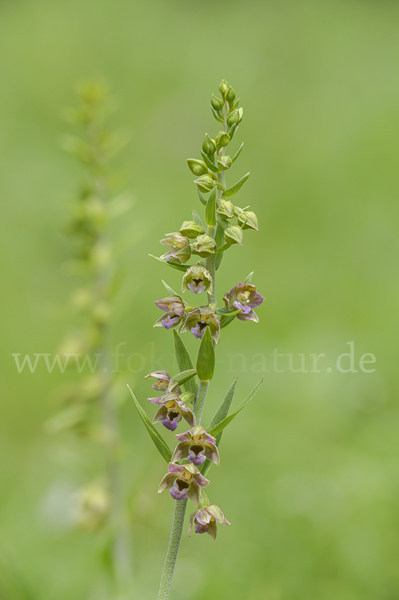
173 468
201 528
250 316
202 516
201 480
196 289
167 482
198 332
170 321
196 459
212 453
184 437
170 424
209 438
179 493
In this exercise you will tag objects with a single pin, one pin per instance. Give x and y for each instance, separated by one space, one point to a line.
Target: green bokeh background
309 475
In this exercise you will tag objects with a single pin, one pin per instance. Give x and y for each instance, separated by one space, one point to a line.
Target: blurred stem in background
92 409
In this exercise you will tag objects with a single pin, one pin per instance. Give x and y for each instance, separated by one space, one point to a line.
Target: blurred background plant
90 405
318 451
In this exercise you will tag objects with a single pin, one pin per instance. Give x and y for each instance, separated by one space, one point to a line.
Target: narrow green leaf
220 414
248 278
217 116
223 248
184 362
220 426
226 321
237 154
177 266
236 103
227 312
209 163
232 130
184 376
201 197
233 190
210 211
224 408
206 357
158 440
198 219
170 290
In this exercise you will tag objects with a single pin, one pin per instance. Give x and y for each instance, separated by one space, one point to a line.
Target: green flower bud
179 248
191 229
224 162
240 112
224 87
208 145
230 95
222 139
198 167
216 103
204 245
233 118
234 235
226 209
248 220
205 183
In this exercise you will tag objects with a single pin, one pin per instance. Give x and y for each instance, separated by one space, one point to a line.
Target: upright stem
173 549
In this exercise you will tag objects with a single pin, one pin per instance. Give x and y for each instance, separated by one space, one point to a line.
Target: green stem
173 549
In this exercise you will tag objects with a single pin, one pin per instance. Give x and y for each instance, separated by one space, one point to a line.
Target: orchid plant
183 395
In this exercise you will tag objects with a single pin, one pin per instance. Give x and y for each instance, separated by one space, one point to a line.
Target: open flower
197 279
172 410
162 380
244 296
206 520
200 318
183 481
173 307
196 445
179 248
